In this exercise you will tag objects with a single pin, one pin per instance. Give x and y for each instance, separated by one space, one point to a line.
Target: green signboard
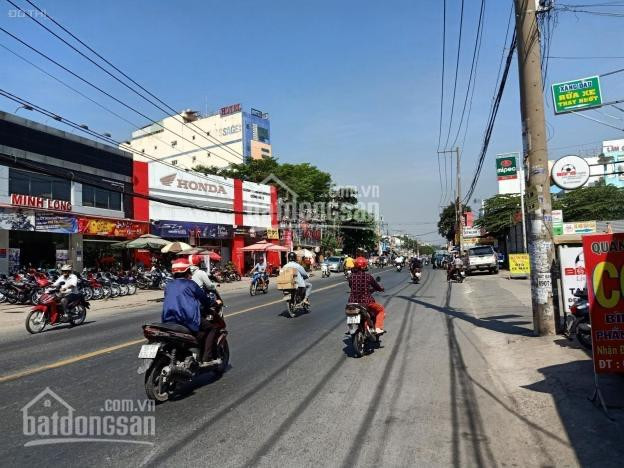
577 95
506 166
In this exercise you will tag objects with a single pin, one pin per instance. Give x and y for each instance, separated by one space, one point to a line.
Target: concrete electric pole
459 215
535 165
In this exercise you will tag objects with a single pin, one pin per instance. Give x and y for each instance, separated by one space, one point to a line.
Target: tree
600 203
499 214
446 224
358 231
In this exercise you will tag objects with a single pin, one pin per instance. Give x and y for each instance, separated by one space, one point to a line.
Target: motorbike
458 275
324 270
578 323
49 311
347 273
399 267
259 282
416 275
171 357
294 300
361 328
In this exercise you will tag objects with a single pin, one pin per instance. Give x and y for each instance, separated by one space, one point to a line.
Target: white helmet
66 267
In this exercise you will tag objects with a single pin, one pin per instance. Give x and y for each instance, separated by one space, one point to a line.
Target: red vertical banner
274 207
238 256
140 185
604 266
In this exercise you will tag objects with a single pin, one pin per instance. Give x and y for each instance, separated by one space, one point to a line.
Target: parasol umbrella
120 245
147 241
214 256
257 247
277 248
304 253
175 247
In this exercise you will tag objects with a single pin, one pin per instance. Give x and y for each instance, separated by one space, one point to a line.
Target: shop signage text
40 202
581 227
506 167
519 265
604 266
570 172
577 95
232 109
184 184
572 273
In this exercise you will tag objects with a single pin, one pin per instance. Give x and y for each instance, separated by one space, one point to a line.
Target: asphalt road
293 396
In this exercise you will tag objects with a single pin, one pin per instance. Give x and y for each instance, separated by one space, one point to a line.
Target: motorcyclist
456 265
362 284
348 263
69 287
182 305
302 276
415 265
261 269
199 275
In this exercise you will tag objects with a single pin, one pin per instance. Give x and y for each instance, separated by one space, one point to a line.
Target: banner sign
182 229
557 222
50 222
573 276
604 267
506 166
577 95
40 202
570 172
111 228
273 234
17 220
519 265
582 227
471 232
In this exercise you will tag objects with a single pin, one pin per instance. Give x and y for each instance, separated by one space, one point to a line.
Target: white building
230 136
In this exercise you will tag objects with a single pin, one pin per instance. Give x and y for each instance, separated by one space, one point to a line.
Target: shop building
188 139
220 214
63 198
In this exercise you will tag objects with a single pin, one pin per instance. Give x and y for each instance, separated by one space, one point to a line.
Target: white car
482 258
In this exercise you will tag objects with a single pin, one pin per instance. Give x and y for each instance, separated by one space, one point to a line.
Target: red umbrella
257 247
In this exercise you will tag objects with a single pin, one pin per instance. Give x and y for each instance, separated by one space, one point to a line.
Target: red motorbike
50 312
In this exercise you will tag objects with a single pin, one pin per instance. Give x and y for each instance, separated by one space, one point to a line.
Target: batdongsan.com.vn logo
48 419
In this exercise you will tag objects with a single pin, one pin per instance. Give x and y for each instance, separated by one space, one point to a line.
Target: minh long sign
43 203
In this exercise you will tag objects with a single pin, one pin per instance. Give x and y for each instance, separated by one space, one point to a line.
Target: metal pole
460 214
536 165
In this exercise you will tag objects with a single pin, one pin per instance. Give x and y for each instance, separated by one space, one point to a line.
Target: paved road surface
293 397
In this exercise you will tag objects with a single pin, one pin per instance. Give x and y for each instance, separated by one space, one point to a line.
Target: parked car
482 258
336 264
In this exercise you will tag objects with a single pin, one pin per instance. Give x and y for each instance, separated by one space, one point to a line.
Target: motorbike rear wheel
115 290
265 289
87 292
98 293
36 321
132 289
12 297
152 380
584 338
223 352
123 289
106 292
291 306
358 342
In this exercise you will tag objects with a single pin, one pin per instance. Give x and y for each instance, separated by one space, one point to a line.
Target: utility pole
459 215
535 165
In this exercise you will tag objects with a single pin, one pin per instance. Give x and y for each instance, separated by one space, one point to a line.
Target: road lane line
99 352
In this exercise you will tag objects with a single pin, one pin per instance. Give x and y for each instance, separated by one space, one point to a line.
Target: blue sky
351 86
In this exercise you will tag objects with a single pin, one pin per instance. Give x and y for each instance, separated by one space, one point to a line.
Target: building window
174 162
100 198
193 137
38 185
264 150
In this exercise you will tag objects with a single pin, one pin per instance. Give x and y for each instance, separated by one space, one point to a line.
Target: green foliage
408 243
307 181
499 214
358 232
446 224
600 203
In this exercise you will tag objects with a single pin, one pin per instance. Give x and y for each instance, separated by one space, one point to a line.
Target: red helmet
180 266
361 263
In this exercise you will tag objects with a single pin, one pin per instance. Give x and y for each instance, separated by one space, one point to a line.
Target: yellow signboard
272 234
519 265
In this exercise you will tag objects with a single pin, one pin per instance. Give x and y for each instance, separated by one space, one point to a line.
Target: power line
459 40
472 77
442 194
170 109
491 120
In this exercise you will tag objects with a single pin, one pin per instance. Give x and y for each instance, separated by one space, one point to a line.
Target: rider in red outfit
362 285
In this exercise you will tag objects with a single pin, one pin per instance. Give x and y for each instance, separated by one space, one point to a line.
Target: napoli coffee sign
42 203
172 180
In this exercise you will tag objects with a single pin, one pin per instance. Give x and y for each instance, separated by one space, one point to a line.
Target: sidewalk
549 379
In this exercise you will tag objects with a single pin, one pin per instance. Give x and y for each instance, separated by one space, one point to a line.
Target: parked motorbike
578 323
294 300
259 282
49 311
170 359
361 328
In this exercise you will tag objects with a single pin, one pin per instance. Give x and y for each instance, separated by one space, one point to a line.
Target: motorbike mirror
378 278
61 283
